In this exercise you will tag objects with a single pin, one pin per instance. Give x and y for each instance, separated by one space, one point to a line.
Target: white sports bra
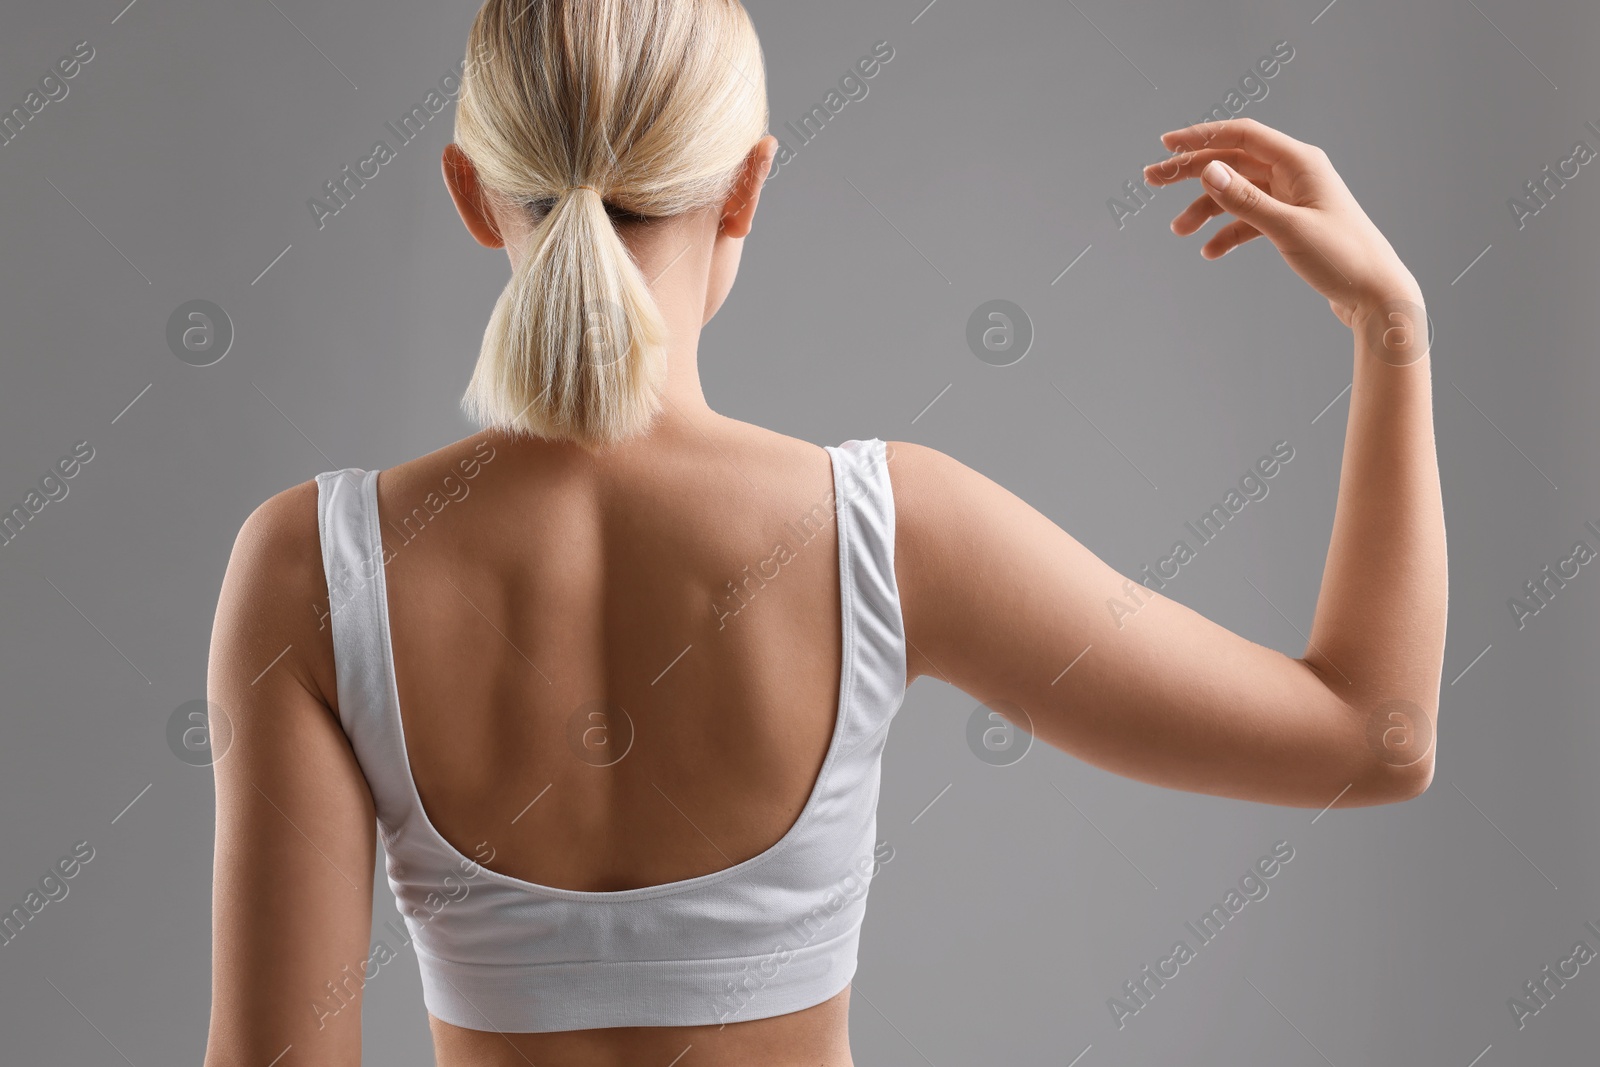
768 936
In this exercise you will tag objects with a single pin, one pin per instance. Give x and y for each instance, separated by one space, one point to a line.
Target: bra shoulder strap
353 561
864 502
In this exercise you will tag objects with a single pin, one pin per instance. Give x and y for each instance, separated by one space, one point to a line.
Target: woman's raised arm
998 600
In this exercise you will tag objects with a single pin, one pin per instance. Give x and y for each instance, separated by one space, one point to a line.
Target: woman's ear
462 179
739 212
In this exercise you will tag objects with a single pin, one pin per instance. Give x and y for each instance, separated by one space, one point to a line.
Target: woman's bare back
616 672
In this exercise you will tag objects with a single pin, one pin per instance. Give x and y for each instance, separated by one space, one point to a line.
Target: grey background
978 167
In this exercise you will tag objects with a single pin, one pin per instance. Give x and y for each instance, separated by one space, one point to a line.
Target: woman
647 654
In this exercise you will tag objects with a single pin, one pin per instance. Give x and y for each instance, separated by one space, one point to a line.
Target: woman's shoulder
281 533
275 580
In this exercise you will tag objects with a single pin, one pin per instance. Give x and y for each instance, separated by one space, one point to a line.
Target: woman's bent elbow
1395 751
1419 779
1391 783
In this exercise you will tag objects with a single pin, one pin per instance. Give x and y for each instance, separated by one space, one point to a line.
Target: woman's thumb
1243 198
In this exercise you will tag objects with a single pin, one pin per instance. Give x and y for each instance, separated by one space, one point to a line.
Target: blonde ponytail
575 347
644 107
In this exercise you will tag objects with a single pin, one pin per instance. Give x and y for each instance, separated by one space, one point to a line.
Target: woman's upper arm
999 601
295 839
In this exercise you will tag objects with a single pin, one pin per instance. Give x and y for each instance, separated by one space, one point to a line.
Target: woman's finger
1189 165
1262 141
1202 210
1228 238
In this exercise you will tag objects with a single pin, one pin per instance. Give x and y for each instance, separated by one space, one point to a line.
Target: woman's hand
1288 191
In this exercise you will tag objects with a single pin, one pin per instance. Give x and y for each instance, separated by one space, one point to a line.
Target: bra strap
353 561
865 506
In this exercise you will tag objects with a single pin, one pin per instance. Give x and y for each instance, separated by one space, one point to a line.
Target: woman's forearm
1377 637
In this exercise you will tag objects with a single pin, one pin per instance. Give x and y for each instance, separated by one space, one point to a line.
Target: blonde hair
648 108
